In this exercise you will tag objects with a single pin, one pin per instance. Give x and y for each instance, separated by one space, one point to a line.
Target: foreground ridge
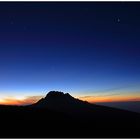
67 117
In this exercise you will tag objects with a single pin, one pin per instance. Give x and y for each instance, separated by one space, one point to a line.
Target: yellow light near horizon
19 100
2 100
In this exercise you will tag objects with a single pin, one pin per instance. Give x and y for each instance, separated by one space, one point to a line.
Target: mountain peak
54 93
57 99
57 94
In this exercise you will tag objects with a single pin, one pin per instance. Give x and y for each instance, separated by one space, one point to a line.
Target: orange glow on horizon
19 101
92 99
120 98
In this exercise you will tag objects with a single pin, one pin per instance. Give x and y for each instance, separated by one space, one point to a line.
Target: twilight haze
91 50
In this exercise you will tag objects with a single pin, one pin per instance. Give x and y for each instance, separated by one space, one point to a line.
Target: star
118 20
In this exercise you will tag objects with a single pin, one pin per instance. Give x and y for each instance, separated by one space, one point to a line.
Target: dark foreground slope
59 115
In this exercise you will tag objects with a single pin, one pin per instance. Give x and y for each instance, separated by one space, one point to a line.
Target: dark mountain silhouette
61 102
58 101
60 115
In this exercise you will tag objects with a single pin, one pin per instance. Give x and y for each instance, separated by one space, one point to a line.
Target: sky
90 50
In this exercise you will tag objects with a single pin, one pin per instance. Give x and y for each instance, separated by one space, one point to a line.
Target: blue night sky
81 48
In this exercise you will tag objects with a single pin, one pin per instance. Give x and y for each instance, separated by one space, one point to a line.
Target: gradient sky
91 50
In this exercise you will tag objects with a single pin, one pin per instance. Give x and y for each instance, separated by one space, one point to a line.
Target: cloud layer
112 97
15 101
